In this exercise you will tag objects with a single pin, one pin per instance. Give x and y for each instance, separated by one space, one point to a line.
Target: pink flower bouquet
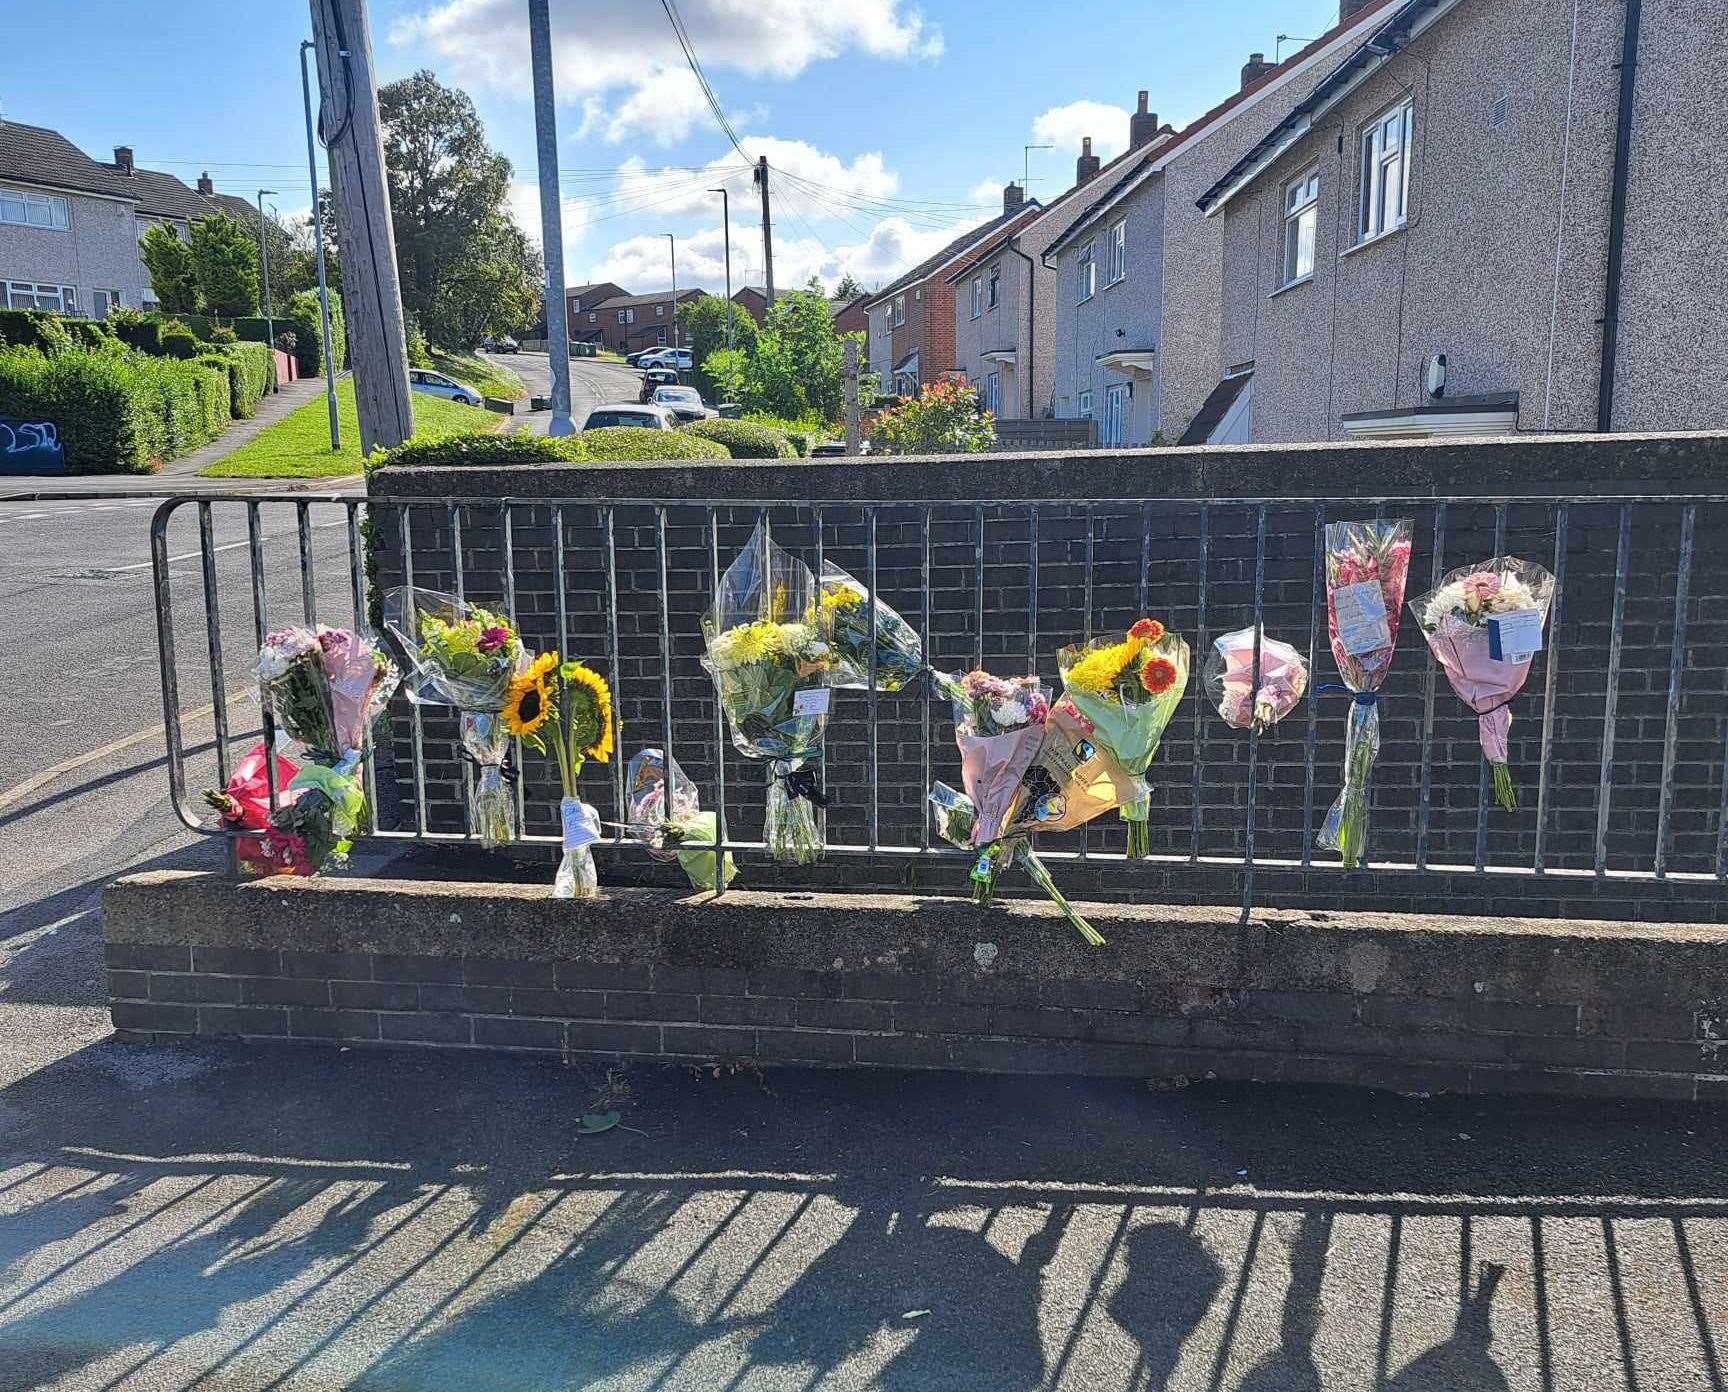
1230 680
1483 626
998 724
1366 566
245 803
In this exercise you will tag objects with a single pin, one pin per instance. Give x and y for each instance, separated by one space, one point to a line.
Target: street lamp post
672 246
264 261
330 365
551 216
726 220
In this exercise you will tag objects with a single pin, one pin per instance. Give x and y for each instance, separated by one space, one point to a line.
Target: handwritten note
1361 614
812 701
581 823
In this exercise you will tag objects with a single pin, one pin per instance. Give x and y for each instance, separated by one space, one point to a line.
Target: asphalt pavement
227 1218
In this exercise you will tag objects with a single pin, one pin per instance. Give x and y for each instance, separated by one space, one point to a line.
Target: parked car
684 402
437 384
502 345
635 359
648 417
678 358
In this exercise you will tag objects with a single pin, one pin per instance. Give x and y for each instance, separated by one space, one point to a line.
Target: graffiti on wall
30 447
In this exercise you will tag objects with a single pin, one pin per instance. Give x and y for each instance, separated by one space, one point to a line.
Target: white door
1115 414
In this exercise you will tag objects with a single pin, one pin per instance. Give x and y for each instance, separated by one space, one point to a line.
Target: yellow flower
589 710
529 704
755 641
838 597
1101 668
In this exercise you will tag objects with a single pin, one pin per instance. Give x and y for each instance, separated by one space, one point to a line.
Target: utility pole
767 229
854 434
672 247
353 140
264 261
328 359
726 222
551 216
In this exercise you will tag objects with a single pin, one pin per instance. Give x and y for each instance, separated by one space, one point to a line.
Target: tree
225 262
793 366
455 240
944 418
803 326
847 290
703 321
173 277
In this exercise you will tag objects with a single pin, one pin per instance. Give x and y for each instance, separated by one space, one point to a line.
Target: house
850 316
1493 215
628 323
1005 309
753 300
70 225
911 339
582 309
1139 274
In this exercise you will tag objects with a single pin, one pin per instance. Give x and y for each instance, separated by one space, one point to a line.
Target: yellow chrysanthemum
840 597
755 641
589 710
1101 668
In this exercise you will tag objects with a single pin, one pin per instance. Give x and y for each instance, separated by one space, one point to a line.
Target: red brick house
850 316
753 300
627 323
582 308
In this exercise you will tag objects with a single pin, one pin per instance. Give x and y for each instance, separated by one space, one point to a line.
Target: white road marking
226 546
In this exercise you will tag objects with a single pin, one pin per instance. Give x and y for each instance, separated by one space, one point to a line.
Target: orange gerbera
1147 630
1158 675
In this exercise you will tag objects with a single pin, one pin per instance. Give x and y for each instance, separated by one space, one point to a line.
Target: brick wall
1417 1003
1149 533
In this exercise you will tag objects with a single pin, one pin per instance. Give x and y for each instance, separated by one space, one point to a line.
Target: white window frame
1383 204
1114 430
1301 226
1118 267
659 311
1088 286
593 318
621 316
26 294
104 302
977 296
1083 405
899 310
993 292
46 212
993 392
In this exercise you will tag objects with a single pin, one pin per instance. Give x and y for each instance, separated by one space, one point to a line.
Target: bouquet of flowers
1124 692
1230 680
1483 625
325 686
565 708
676 832
772 671
245 803
843 616
1366 566
465 656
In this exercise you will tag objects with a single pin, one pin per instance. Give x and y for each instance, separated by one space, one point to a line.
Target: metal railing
1003 584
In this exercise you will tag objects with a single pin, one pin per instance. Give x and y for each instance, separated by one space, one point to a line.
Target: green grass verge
487 378
298 445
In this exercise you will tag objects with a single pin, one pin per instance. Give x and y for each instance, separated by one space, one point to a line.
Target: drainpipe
1031 325
1617 218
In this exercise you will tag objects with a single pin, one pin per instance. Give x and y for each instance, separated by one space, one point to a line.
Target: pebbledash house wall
1146 505
98 251
1513 160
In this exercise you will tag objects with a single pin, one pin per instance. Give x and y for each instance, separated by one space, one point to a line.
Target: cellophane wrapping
244 803
1230 687
1367 564
462 654
1459 619
576 877
678 831
998 723
772 671
843 611
1125 691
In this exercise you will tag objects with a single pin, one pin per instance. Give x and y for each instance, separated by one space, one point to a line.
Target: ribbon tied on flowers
801 783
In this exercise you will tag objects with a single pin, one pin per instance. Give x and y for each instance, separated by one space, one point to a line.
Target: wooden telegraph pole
349 126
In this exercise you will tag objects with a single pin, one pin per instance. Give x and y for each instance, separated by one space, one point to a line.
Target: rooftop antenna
1277 48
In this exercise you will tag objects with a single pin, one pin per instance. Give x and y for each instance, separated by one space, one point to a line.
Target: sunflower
1158 675
529 704
588 707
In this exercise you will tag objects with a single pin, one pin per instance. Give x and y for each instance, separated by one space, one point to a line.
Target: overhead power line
683 36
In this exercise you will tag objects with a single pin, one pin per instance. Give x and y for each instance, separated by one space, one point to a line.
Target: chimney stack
1254 69
1013 198
1087 165
1142 126
205 187
123 158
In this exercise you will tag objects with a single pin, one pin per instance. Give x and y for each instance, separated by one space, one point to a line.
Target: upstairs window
659 311
1088 286
899 309
1386 170
994 296
28 209
1301 216
977 296
1118 252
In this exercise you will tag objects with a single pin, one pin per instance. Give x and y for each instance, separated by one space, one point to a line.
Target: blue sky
896 124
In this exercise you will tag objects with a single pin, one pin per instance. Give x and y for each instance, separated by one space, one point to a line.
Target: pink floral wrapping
1483 684
992 768
352 668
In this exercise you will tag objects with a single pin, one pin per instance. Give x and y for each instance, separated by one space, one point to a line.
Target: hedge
482 447
251 373
114 412
301 315
631 444
742 440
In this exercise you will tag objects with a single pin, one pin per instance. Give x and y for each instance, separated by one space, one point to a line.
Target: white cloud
669 192
623 53
1065 126
525 208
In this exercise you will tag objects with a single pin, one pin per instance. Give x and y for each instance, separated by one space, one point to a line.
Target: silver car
423 379
630 413
683 402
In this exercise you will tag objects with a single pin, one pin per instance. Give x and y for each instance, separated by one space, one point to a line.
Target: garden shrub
743 440
104 420
22 328
175 340
221 333
482 448
945 418
629 444
251 373
302 316
89 333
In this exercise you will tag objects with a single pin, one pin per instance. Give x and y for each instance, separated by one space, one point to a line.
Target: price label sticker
811 701
581 824
1515 637
1361 613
